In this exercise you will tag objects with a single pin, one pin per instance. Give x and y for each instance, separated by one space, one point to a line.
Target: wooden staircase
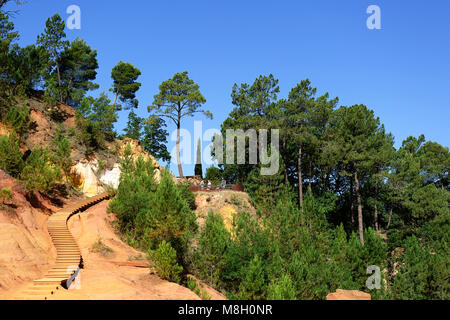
68 258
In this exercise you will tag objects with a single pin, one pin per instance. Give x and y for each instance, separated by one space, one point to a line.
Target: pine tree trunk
389 219
310 173
180 169
352 209
115 99
300 182
285 162
375 214
59 80
360 217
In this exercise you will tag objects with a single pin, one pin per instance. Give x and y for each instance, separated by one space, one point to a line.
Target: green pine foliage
344 198
253 286
17 118
63 149
213 242
5 194
165 262
10 155
422 274
170 218
40 172
282 289
125 86
187 194
148 212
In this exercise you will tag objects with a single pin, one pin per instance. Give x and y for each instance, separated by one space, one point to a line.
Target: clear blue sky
402 71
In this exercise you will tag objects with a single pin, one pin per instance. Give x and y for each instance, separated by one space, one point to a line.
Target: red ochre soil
26 253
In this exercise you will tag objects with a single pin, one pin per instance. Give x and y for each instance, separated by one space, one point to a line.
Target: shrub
253 286
281 289
18 118
421 275
187 194
169 217
5 194
192 285
165 262
213 242
150 213
101 166
40 173
102 248
10 155
234 199
214 174
63 149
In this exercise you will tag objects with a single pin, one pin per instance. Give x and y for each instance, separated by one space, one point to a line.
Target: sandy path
101 279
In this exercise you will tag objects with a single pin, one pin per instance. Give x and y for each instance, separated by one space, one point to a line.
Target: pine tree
170 218
78 64
10 155
154 138
178 98
40 173
53 41
282 289
253 286
125 86
134 126
212 244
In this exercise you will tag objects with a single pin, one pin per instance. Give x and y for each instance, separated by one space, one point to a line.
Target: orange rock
348 295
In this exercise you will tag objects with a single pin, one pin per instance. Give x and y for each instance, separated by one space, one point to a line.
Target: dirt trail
107 274
101 278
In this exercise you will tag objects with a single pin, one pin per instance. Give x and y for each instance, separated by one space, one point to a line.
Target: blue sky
402 71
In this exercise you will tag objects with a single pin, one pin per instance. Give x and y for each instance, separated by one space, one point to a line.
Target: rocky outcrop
227 203
348 295
90 181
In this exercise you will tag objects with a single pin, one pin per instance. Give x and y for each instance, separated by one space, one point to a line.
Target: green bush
281 289
10 155
213 242
149 212
421 274
134 197
165 262
253 286
63 149
101 166
18 118
5 194
187 194
193 286
40 173
169 217
213 174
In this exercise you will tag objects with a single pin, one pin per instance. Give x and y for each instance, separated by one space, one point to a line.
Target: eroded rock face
111 177
348 295
86 177
26 250
227 203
